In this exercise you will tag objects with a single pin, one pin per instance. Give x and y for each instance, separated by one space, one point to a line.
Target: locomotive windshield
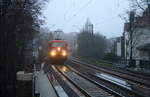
58 44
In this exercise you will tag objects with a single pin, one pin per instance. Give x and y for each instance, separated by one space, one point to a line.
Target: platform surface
43 86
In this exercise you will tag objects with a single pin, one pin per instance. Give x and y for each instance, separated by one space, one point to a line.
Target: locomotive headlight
64 53
58 48
53 53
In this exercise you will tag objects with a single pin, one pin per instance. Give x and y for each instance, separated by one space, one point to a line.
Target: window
58 44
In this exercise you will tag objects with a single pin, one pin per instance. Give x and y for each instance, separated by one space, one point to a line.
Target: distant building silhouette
88 27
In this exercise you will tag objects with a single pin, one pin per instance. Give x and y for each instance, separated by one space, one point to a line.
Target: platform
43 86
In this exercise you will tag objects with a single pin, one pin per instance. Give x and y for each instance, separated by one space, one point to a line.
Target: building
137 41
117 46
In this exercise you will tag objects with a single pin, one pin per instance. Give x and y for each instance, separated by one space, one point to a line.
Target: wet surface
92 89
60 91
89 72
55 75
43 86
137 83
114 80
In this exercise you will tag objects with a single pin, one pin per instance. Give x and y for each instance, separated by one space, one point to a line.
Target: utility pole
131 26
92 29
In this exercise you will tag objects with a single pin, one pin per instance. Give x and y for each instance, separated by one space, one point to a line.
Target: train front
58 52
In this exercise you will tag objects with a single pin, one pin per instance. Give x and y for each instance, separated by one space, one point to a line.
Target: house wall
118 51
141 36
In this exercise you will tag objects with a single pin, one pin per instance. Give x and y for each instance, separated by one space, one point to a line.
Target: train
58 51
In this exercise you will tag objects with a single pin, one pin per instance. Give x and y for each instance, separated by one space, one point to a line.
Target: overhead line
84 6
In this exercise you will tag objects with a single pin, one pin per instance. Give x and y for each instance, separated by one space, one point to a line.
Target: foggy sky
70 15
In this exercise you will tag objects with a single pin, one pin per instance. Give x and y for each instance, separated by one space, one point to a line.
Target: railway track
60 84
116 69
99 90
87 87
139 91
137 79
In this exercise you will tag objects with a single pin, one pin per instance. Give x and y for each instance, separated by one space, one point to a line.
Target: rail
128 88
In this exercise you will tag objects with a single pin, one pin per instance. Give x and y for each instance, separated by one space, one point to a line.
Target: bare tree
140 6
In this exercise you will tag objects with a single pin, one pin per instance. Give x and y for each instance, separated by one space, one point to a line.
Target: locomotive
58 51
